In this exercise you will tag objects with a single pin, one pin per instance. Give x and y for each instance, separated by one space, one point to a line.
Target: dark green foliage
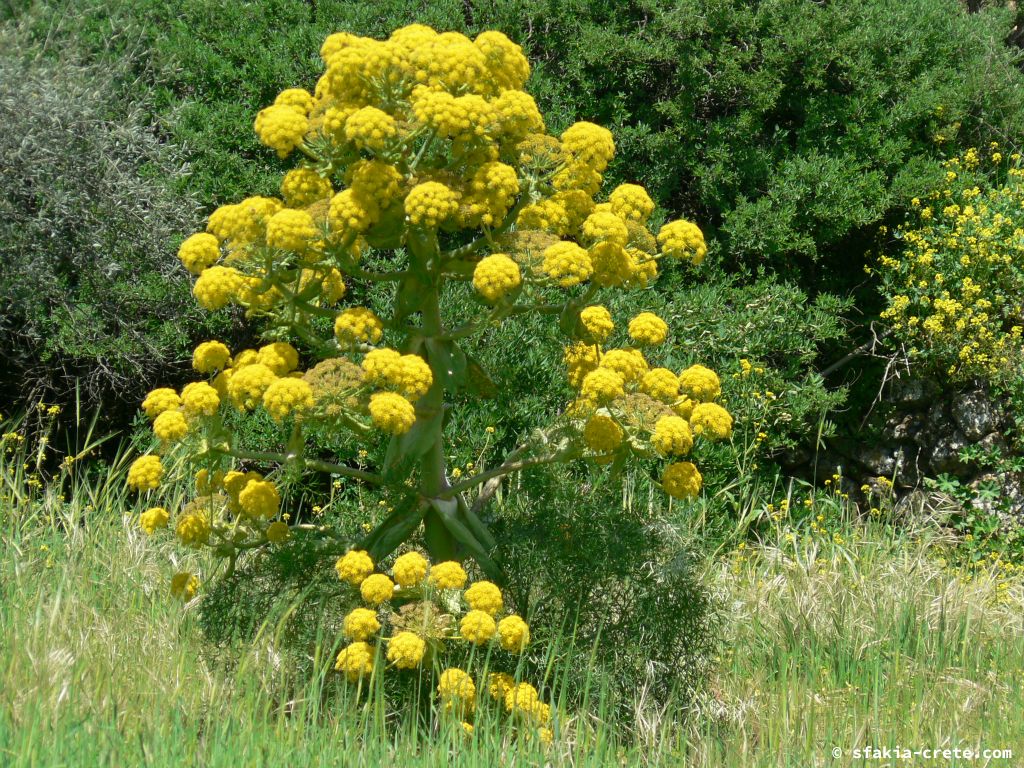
294 585
787 128
90 291
584 561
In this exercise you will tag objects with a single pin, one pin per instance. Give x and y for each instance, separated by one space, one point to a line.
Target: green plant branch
270 457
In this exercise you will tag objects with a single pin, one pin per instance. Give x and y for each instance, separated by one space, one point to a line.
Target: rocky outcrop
923 432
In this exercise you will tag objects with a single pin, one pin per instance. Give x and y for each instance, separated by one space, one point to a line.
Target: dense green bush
792 126
86 222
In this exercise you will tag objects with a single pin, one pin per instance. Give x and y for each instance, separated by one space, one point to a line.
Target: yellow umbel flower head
430 203
448 575
217 287
278 532
211 356
355 661
567 263
199 399
597 321
661 384
304 186
406 650
683 240
700 384
288 397
496 276
358 325
152 519
193 529
672 436
259 498
648 329
376 588
514 633
477 627
199 252
712 421
160 400
354 566
281 127
485 596
410 569
392 413
457 690
361 624
184 585
602 434
681 480
145 473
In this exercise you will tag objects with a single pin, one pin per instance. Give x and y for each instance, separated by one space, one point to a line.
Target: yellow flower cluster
648 329
290 230
496 276
184 585
170 426
198 399
597 321
567 263
392 413
199 252
370 128
282 127
259 498
683 240
145 473
288 397
210 357
953 292
430 203
301 187
423 625
620 396
153 518
159 401
193 529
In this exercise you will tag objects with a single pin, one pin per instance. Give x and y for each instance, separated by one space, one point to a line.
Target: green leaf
441 545
478 381
476 525
448 362
399 525
404 449
447 510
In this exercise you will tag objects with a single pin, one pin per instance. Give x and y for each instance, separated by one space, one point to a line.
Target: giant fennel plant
425 169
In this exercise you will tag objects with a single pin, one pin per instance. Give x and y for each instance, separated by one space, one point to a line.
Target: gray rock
1007 502
994 441
908 391
884 460
975 414
945 455
905 426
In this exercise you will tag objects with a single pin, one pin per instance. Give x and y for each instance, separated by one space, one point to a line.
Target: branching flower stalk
425 171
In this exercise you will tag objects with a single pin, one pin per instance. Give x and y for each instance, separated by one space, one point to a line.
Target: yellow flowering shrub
421 618
954 292
422 172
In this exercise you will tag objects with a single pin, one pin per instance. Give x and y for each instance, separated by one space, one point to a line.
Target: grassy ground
845 635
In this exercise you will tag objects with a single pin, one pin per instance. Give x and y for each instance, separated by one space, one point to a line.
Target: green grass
851 634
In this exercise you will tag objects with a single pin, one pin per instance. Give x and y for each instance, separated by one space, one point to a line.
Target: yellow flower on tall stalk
426 205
